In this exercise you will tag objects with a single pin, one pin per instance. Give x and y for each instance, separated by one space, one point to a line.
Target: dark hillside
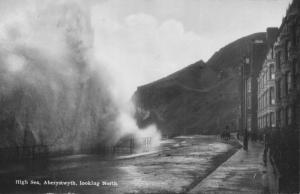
200 98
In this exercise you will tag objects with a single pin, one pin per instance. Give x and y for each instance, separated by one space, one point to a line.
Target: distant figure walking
246 140
253 137
267 147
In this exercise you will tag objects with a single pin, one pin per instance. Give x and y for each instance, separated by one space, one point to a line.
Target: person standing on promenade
246 140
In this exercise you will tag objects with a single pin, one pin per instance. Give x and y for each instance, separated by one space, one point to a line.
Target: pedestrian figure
267 147
246 140
253 136
227 133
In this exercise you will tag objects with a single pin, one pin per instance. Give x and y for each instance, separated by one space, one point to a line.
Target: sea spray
53 91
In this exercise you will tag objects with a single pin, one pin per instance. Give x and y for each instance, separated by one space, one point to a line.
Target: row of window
283 116
266 99
268 75
268 120
284 85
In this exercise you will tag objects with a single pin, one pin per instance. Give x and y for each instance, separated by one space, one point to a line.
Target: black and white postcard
149 96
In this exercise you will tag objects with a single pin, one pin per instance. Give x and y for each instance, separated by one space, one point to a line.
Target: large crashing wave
51 91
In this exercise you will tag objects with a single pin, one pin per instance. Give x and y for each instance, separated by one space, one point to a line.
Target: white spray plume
52 85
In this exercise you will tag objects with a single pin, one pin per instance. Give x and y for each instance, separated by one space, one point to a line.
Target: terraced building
279 101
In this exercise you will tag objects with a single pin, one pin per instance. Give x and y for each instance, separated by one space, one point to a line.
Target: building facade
249 71
266 106
279 100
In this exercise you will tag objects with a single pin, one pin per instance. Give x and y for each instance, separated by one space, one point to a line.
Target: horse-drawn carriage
225 135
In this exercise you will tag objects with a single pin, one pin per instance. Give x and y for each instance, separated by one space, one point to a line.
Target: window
249 85
262 101
295 71
283 116
265 78
247 60
272 115
260 104
282 84
294 36
272 72
249 123
249 101
290 111
267 120
267 98
289 81
279 117
278 60
294 68
278 83
286 51
289 46
260 83
272 95
260 122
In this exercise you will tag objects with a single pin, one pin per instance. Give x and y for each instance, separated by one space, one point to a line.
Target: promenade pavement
244 172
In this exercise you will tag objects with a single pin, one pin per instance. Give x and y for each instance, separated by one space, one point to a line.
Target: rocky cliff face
201 98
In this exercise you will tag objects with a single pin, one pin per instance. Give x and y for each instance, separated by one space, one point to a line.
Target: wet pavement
244 172
177 167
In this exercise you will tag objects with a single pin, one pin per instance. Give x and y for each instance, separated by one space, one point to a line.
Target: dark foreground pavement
178 167
244 172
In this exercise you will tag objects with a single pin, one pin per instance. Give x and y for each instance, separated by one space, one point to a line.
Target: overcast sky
161 36
143 40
